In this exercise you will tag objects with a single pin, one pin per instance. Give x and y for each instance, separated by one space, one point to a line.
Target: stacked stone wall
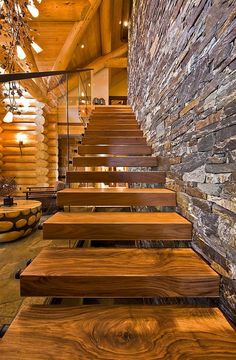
182 87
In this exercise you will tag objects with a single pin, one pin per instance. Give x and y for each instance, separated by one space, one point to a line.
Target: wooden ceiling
55 24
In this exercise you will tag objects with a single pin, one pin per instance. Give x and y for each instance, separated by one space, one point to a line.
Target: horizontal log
21 166
20 173
19 159
16 150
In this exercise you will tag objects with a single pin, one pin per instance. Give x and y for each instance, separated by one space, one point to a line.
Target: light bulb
21 138
8 118
33 10
82 46
89 84
25 102
125 23
82 94
20 52
36 47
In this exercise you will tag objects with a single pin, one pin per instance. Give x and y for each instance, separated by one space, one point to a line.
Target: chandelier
17 35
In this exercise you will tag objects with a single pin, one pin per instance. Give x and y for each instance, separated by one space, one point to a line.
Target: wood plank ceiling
56 21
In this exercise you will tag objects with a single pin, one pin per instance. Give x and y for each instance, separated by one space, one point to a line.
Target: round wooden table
19 220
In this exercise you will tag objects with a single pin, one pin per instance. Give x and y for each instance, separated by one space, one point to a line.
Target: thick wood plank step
113 121
115 149
112 126
117 226
117 196
134 332
118 133
133 161
148 177
124 272
114 140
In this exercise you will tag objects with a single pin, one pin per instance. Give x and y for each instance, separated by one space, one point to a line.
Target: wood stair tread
118 133
131 272
119 332
114 161
117 226
91 196
113 140
112 126
115 149
151 177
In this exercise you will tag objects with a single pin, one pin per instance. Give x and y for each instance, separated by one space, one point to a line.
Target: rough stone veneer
182 86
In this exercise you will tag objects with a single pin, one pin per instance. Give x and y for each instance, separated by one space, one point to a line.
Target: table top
20 205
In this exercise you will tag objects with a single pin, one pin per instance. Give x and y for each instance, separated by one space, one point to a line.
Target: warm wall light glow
25 102
89 84
36 47
8 118
82 94
33 10
82 46
125 23
20 52
21 138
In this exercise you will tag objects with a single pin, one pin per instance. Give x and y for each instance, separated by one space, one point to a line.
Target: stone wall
182 86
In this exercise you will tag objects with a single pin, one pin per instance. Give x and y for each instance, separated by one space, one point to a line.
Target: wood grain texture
114 121
122 273
117 226
133 161
132 332
112 126
151 177
117 196
118 133
115 149
114 140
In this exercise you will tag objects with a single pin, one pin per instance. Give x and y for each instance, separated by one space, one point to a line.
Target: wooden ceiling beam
74 38
119 62
101 61
105 26
96 65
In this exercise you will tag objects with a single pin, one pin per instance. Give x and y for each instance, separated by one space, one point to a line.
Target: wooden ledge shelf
117 226
131 272
120 196
151 177
115 161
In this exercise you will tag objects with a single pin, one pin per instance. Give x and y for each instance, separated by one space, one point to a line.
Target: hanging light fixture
36 47
8 118
16 33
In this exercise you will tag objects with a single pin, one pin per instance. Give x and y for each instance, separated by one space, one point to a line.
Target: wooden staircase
124 332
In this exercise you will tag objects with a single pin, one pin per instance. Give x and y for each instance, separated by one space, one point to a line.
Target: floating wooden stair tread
117 226
113 140
118 133
112 121
131 272
133 161
151 177
115 149
113 127
134 332
118 196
